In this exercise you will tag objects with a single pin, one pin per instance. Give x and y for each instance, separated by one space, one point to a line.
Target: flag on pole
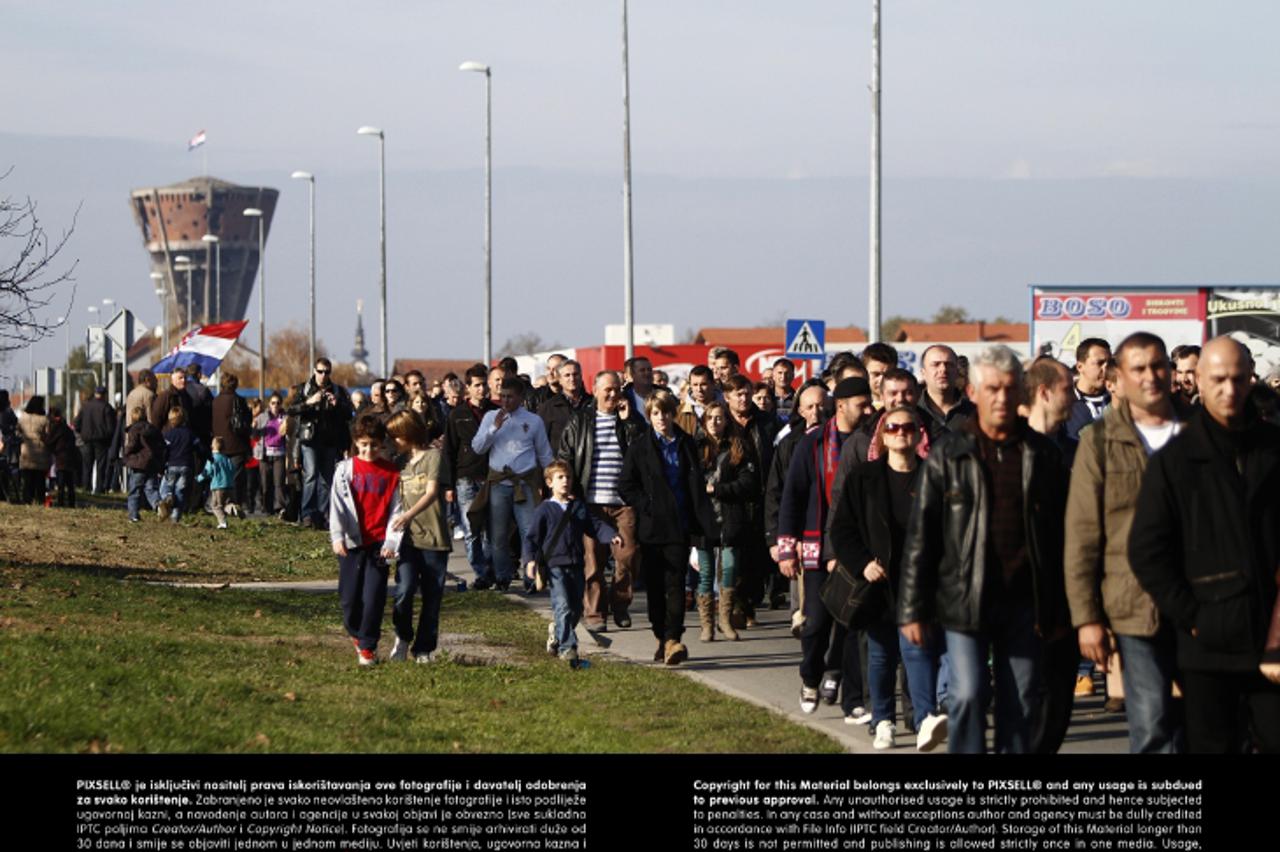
204 345
196 141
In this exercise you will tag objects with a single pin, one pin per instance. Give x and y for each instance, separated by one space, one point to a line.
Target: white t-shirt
1155 437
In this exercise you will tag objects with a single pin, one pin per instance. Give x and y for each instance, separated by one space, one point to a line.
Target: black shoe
621 619
829 689
502 585
529 587
481 584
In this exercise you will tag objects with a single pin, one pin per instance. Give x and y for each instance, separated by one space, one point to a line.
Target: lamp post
212 242
94 310
628 275
488 203
158 278
262 300
66 370
382 205
873 320
182 263
311 179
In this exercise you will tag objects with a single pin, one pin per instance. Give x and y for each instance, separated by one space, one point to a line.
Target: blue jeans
885 648
502 508
1010 639
176 480
478 556
362 593
567 584
317 478
1155 717
142 484
425 570
707 569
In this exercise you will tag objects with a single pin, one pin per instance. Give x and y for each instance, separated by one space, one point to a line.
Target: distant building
174 220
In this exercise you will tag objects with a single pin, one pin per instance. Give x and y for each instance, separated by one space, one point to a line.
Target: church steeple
360 355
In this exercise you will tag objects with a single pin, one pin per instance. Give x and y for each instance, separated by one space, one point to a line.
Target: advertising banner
1251 316
1061 318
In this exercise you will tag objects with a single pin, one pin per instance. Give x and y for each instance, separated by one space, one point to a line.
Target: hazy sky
750 145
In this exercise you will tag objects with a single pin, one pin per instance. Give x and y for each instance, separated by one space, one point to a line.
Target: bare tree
28 280
526 344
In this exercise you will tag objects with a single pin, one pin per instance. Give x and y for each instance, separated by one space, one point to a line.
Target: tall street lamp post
311 180
382 205
212 242
158 279
628 274
255 213
182 263
488 203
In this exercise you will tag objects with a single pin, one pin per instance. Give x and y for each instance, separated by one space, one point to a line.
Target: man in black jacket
1205 544
470 468
943 405
324 413
758 429
984 559
96 426
559 408
594 443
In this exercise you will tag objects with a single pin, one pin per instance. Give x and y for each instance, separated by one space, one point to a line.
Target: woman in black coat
662 480
732 482
867 531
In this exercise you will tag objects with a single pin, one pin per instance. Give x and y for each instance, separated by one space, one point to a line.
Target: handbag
852 600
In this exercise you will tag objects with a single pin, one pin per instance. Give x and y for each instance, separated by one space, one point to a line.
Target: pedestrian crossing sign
806 338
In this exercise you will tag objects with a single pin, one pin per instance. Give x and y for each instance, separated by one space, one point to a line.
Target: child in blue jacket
221 473
564 555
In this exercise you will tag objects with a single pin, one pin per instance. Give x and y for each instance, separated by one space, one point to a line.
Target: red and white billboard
1061 318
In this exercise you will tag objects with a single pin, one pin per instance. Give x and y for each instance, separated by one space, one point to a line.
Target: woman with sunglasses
868 530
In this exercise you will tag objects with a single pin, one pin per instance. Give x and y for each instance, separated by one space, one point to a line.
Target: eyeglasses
906 427
320 372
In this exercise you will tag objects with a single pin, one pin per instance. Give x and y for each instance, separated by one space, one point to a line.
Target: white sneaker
858 716
457 534
808 699
400 650
553 646
884 735
222 525
933 732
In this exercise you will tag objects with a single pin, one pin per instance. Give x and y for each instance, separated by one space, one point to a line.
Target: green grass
93 664
154 549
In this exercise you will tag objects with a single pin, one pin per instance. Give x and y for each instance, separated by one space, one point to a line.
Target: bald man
1205 545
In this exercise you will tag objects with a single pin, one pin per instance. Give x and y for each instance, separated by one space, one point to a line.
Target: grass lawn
94 664
193 550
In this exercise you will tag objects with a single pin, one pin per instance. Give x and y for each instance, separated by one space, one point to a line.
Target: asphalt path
762 668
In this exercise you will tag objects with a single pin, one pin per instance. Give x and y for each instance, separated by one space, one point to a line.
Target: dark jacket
96 421
181 446
165 401
326 423
1205 543
558 410
777 477
803 511
644 487
938 424
144 448
859 529
62 444
567 550
736 485
760 432
1081 415
578 442
201 421
945 562
235 442
459 429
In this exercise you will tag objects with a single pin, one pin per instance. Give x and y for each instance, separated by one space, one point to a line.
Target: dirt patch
469 649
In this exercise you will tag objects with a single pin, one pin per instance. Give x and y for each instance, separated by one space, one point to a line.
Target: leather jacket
578 442
944 565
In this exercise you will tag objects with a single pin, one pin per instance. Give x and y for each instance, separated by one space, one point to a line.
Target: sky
1082 142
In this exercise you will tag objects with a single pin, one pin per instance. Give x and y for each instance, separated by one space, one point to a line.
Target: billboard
1062 317
1252 316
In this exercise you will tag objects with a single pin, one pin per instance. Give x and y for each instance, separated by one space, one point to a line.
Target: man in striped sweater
594 443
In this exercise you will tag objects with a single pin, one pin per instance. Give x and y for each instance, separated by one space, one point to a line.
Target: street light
211 242
255 213
66 371
628 282
382 204
183 263
164 302
311 179
488 203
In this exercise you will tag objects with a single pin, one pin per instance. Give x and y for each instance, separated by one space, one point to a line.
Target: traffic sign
806 338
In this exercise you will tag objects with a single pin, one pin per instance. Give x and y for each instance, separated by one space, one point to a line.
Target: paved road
763 668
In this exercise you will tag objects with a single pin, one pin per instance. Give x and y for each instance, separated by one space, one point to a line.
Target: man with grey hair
983 559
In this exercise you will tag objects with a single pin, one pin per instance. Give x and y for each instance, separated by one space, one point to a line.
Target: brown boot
706 616
674 653
727 626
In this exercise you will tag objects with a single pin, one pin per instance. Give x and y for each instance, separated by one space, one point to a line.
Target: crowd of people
981 538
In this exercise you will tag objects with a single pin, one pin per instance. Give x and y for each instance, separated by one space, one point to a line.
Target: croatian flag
204 345
196 141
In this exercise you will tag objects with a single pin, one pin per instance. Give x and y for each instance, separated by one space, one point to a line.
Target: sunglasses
323 372
906 428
